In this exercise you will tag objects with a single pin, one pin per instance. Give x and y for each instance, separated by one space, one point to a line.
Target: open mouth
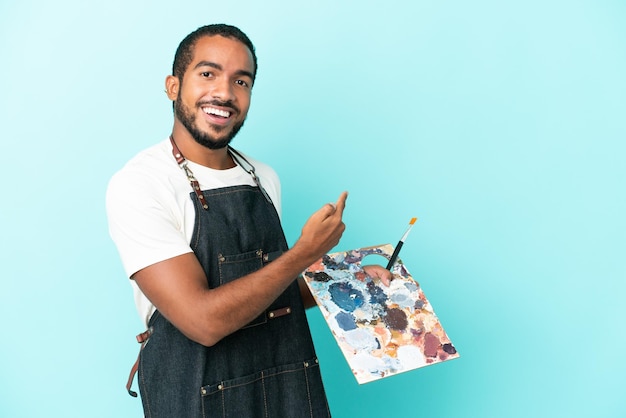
216 112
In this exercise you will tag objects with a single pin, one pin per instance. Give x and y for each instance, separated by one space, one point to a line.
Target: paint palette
381 330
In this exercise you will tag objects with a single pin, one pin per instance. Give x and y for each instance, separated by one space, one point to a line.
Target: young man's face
214 95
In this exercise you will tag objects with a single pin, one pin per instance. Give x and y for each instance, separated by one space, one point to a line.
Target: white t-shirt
151 216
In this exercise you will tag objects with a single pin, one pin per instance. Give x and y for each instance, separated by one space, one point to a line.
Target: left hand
379 272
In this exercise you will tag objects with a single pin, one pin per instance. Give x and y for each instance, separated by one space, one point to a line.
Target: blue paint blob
346 321
333 264
401 299
345 296
412 287
377 295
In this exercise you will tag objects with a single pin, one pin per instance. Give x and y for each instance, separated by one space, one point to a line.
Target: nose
222 89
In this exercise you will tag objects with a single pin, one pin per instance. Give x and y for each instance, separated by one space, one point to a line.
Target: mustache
219 103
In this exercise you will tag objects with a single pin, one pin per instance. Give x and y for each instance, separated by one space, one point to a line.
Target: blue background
501 125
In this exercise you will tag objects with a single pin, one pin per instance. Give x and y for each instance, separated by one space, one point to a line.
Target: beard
186 117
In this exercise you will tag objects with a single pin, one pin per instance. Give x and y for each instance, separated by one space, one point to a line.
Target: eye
206 74
242 83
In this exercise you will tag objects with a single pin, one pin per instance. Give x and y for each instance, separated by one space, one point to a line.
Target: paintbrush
396 251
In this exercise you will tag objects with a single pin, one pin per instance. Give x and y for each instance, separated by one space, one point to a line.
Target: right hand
323 229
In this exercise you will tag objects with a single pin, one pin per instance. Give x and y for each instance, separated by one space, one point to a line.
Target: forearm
231 306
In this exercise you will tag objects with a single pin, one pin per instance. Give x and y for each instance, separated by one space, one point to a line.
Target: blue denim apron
266 369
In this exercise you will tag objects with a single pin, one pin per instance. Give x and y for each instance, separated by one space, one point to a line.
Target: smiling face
213 97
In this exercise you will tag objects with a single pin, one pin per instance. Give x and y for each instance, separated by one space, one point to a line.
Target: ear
172 84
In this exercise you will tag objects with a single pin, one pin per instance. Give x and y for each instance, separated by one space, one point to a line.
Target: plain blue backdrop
501 125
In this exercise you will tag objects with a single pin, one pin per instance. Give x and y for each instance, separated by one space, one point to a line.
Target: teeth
214 111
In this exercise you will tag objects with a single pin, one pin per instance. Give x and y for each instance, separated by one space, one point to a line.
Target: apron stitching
202 406
223 404
144 394
264 394
248 189
196 226
219 268
308 392
263 376
141 371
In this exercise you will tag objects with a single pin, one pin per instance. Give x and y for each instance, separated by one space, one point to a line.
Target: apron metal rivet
306 364
219 387
203 391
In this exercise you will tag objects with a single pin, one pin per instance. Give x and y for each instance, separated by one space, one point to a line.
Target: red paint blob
431 345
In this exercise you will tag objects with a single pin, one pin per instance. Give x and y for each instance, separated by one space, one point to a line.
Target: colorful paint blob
345 296
381 330
396 319
345 321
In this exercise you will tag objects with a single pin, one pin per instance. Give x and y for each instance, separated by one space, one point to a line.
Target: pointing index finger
341 203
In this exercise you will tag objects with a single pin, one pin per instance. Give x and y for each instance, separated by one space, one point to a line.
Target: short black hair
184 52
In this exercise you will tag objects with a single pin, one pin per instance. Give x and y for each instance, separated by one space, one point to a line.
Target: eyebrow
219 67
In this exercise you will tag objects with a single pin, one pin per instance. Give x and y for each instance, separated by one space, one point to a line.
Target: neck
217 159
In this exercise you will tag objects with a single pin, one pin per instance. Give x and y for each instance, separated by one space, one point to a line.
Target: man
197 227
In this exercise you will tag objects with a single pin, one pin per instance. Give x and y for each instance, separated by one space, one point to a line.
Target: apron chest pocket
232 267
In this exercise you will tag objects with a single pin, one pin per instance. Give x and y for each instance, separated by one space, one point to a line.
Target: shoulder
153 162
150 182
151 174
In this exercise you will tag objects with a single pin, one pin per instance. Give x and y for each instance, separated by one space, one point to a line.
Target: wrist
303 255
